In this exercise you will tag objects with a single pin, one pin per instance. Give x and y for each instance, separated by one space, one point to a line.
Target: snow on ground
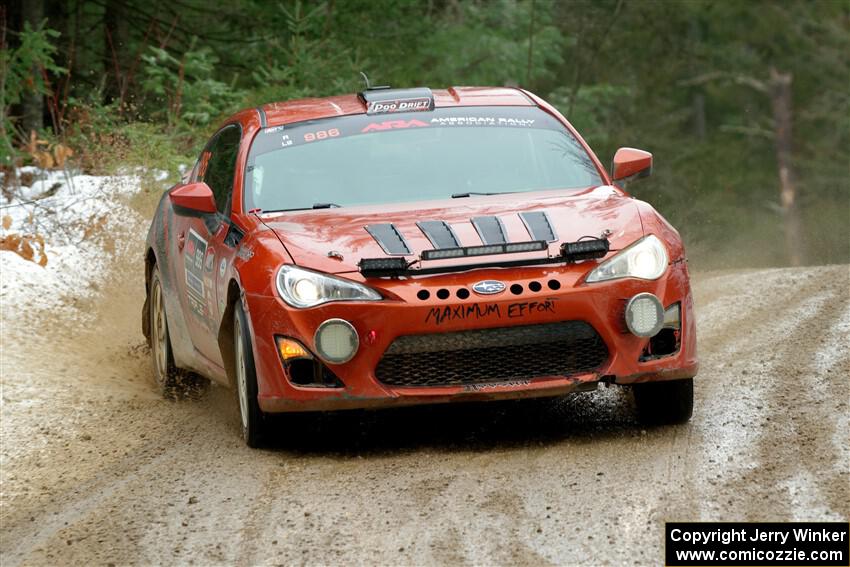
85 222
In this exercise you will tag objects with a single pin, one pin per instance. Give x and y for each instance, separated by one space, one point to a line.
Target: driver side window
217 165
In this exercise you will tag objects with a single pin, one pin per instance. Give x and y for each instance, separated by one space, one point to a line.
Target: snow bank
85 222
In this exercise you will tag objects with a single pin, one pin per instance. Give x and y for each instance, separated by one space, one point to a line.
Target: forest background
744 104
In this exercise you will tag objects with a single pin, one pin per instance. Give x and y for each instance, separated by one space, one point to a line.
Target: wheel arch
225 332
150 263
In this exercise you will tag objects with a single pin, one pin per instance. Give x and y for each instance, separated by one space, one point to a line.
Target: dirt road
97 469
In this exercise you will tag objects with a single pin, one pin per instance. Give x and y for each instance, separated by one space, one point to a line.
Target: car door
205 251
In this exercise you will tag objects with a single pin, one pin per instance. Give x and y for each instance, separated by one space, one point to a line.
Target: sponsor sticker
400 105
393 124
397 113
193 260
482 121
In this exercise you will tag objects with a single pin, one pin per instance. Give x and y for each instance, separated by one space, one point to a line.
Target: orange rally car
408 246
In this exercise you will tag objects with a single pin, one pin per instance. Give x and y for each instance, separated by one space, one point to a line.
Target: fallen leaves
45 154
29 247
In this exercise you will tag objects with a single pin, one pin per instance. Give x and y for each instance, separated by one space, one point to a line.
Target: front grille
492 355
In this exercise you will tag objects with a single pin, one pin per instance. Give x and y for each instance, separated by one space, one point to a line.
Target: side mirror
193 200
630 164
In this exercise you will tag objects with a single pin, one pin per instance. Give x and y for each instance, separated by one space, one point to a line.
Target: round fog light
644 315
336 341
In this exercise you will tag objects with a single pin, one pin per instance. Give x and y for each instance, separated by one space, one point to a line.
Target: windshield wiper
314 206
462 195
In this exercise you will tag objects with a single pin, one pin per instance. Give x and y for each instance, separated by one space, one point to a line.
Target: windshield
415 156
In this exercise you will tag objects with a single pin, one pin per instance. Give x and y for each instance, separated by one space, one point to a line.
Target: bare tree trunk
329 15
77 70
780 97
32 103
59 16
115 49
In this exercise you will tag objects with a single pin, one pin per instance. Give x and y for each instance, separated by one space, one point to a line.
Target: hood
335 240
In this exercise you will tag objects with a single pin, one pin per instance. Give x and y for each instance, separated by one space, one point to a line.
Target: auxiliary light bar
570 252
585 249
484 250
382 267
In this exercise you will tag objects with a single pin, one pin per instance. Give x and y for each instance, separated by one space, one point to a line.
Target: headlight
304 288
645 259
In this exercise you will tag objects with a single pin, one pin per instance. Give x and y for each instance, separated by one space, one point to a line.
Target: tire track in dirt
802 445
729 398
51 522
749 300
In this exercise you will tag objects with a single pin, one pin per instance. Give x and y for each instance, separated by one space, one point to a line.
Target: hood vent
441 236
490 230
538 225
439 233
390 239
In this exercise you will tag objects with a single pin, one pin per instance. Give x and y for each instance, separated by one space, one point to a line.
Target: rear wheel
660 403
165 372
252 419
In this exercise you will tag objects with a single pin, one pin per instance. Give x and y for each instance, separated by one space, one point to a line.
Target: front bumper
378 324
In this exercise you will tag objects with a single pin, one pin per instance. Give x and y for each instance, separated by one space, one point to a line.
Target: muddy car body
416 246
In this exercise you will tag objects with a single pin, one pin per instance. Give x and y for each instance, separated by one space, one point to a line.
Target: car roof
279 113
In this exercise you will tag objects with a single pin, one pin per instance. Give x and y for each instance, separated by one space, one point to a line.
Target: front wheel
252 418
667 402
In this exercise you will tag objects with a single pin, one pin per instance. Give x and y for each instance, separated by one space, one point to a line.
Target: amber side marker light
290 349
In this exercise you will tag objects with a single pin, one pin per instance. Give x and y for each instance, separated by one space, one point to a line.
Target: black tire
252 420
667 402
168 377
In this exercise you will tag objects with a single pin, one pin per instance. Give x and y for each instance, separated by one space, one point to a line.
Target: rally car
410 246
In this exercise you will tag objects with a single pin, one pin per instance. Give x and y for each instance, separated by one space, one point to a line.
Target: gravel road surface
98 469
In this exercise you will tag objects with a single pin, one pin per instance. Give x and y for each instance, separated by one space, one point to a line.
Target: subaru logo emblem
488 287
